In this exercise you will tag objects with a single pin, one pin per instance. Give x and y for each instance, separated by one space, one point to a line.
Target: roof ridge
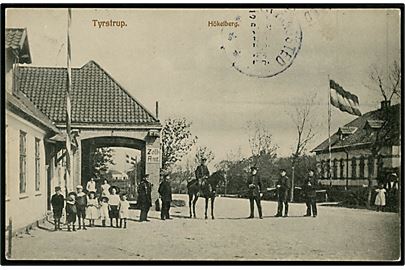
123 89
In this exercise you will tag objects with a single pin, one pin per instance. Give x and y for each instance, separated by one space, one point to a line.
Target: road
336 234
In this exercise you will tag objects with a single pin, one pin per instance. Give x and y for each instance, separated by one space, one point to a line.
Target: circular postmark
265 43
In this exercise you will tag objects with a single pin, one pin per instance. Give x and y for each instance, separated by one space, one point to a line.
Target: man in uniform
202 172
165 191
283 187
255 189
144 197
309 189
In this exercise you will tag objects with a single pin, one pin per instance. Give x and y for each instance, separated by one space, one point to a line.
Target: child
114 201
104 210
123 210
81 204
380 198
92 208
58 203
71 210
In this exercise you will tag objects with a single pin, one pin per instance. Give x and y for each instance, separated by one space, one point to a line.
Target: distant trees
203 152
101 158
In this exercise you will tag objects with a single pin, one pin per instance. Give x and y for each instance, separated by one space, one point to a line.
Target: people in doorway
283 188
202 173
123 209
254 191
380 198
58 203
309 189
165 192
81 204
104 212
144 197
105 188
92 208
91 185
114 200
71 211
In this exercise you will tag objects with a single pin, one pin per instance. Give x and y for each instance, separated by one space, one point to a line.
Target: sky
173 57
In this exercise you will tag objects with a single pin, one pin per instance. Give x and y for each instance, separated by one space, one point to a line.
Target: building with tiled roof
96 97
364 149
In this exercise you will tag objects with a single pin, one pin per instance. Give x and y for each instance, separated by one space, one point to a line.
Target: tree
101 158
302 119
260 141
177 141
203 151
387 82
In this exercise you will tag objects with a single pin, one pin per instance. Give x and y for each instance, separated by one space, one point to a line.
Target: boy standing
58 203
81 204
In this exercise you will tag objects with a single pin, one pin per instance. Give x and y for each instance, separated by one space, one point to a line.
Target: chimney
157 109
385 104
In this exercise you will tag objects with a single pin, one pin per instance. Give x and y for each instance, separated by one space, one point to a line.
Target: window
37 165
23 162
354 168
361 165
322 169
370 165
342 168
334 169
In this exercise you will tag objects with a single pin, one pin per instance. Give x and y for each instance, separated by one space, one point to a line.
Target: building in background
363 151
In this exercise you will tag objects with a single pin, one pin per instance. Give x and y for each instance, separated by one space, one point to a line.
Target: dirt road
336 234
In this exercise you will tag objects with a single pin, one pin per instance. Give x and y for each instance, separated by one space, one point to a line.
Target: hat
203 158
146 175
253 168
72 193
79 186
92 192
58 188
114 187
394 174
282 170
104 198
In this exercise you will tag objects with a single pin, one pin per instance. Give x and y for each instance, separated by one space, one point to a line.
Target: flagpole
329 140
68 105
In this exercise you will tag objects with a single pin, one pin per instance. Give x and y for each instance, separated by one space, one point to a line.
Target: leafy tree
177 141
204 151
102 158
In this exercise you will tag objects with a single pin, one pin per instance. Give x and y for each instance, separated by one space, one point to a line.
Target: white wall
32 205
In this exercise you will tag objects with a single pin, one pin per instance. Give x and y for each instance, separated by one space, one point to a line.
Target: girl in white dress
123 208
105 188
104 210
92 208
380 198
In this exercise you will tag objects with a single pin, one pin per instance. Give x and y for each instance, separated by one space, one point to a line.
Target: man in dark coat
165 191
309 190
202 172
144 197
255 188
283 188
58 203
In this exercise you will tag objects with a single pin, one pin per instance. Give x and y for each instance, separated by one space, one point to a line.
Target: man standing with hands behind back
309 189
283 187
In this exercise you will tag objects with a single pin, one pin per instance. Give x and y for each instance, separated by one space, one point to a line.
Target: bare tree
260 141
304 124
387 82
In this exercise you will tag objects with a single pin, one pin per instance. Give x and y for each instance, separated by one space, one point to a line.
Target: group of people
81 206
283 186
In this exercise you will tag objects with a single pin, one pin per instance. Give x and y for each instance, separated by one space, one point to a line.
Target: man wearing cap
255 188
283 188
309 189
144 197
58 203
81 203
165 191
202 172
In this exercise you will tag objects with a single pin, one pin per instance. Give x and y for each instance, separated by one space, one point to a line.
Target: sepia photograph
243 134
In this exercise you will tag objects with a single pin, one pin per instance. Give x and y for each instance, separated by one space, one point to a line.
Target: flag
344 100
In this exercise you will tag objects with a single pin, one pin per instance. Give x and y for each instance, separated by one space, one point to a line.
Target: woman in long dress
92 208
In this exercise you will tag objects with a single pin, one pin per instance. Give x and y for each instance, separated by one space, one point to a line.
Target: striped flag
343 99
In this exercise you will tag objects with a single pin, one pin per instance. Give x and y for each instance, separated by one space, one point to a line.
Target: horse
208 191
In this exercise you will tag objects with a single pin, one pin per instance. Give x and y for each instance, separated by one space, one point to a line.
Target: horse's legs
190 198
206 207
194 203
212 206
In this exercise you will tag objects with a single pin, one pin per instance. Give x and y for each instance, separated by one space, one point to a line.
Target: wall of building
30 206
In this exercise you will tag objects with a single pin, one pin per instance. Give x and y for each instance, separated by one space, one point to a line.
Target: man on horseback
202 173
